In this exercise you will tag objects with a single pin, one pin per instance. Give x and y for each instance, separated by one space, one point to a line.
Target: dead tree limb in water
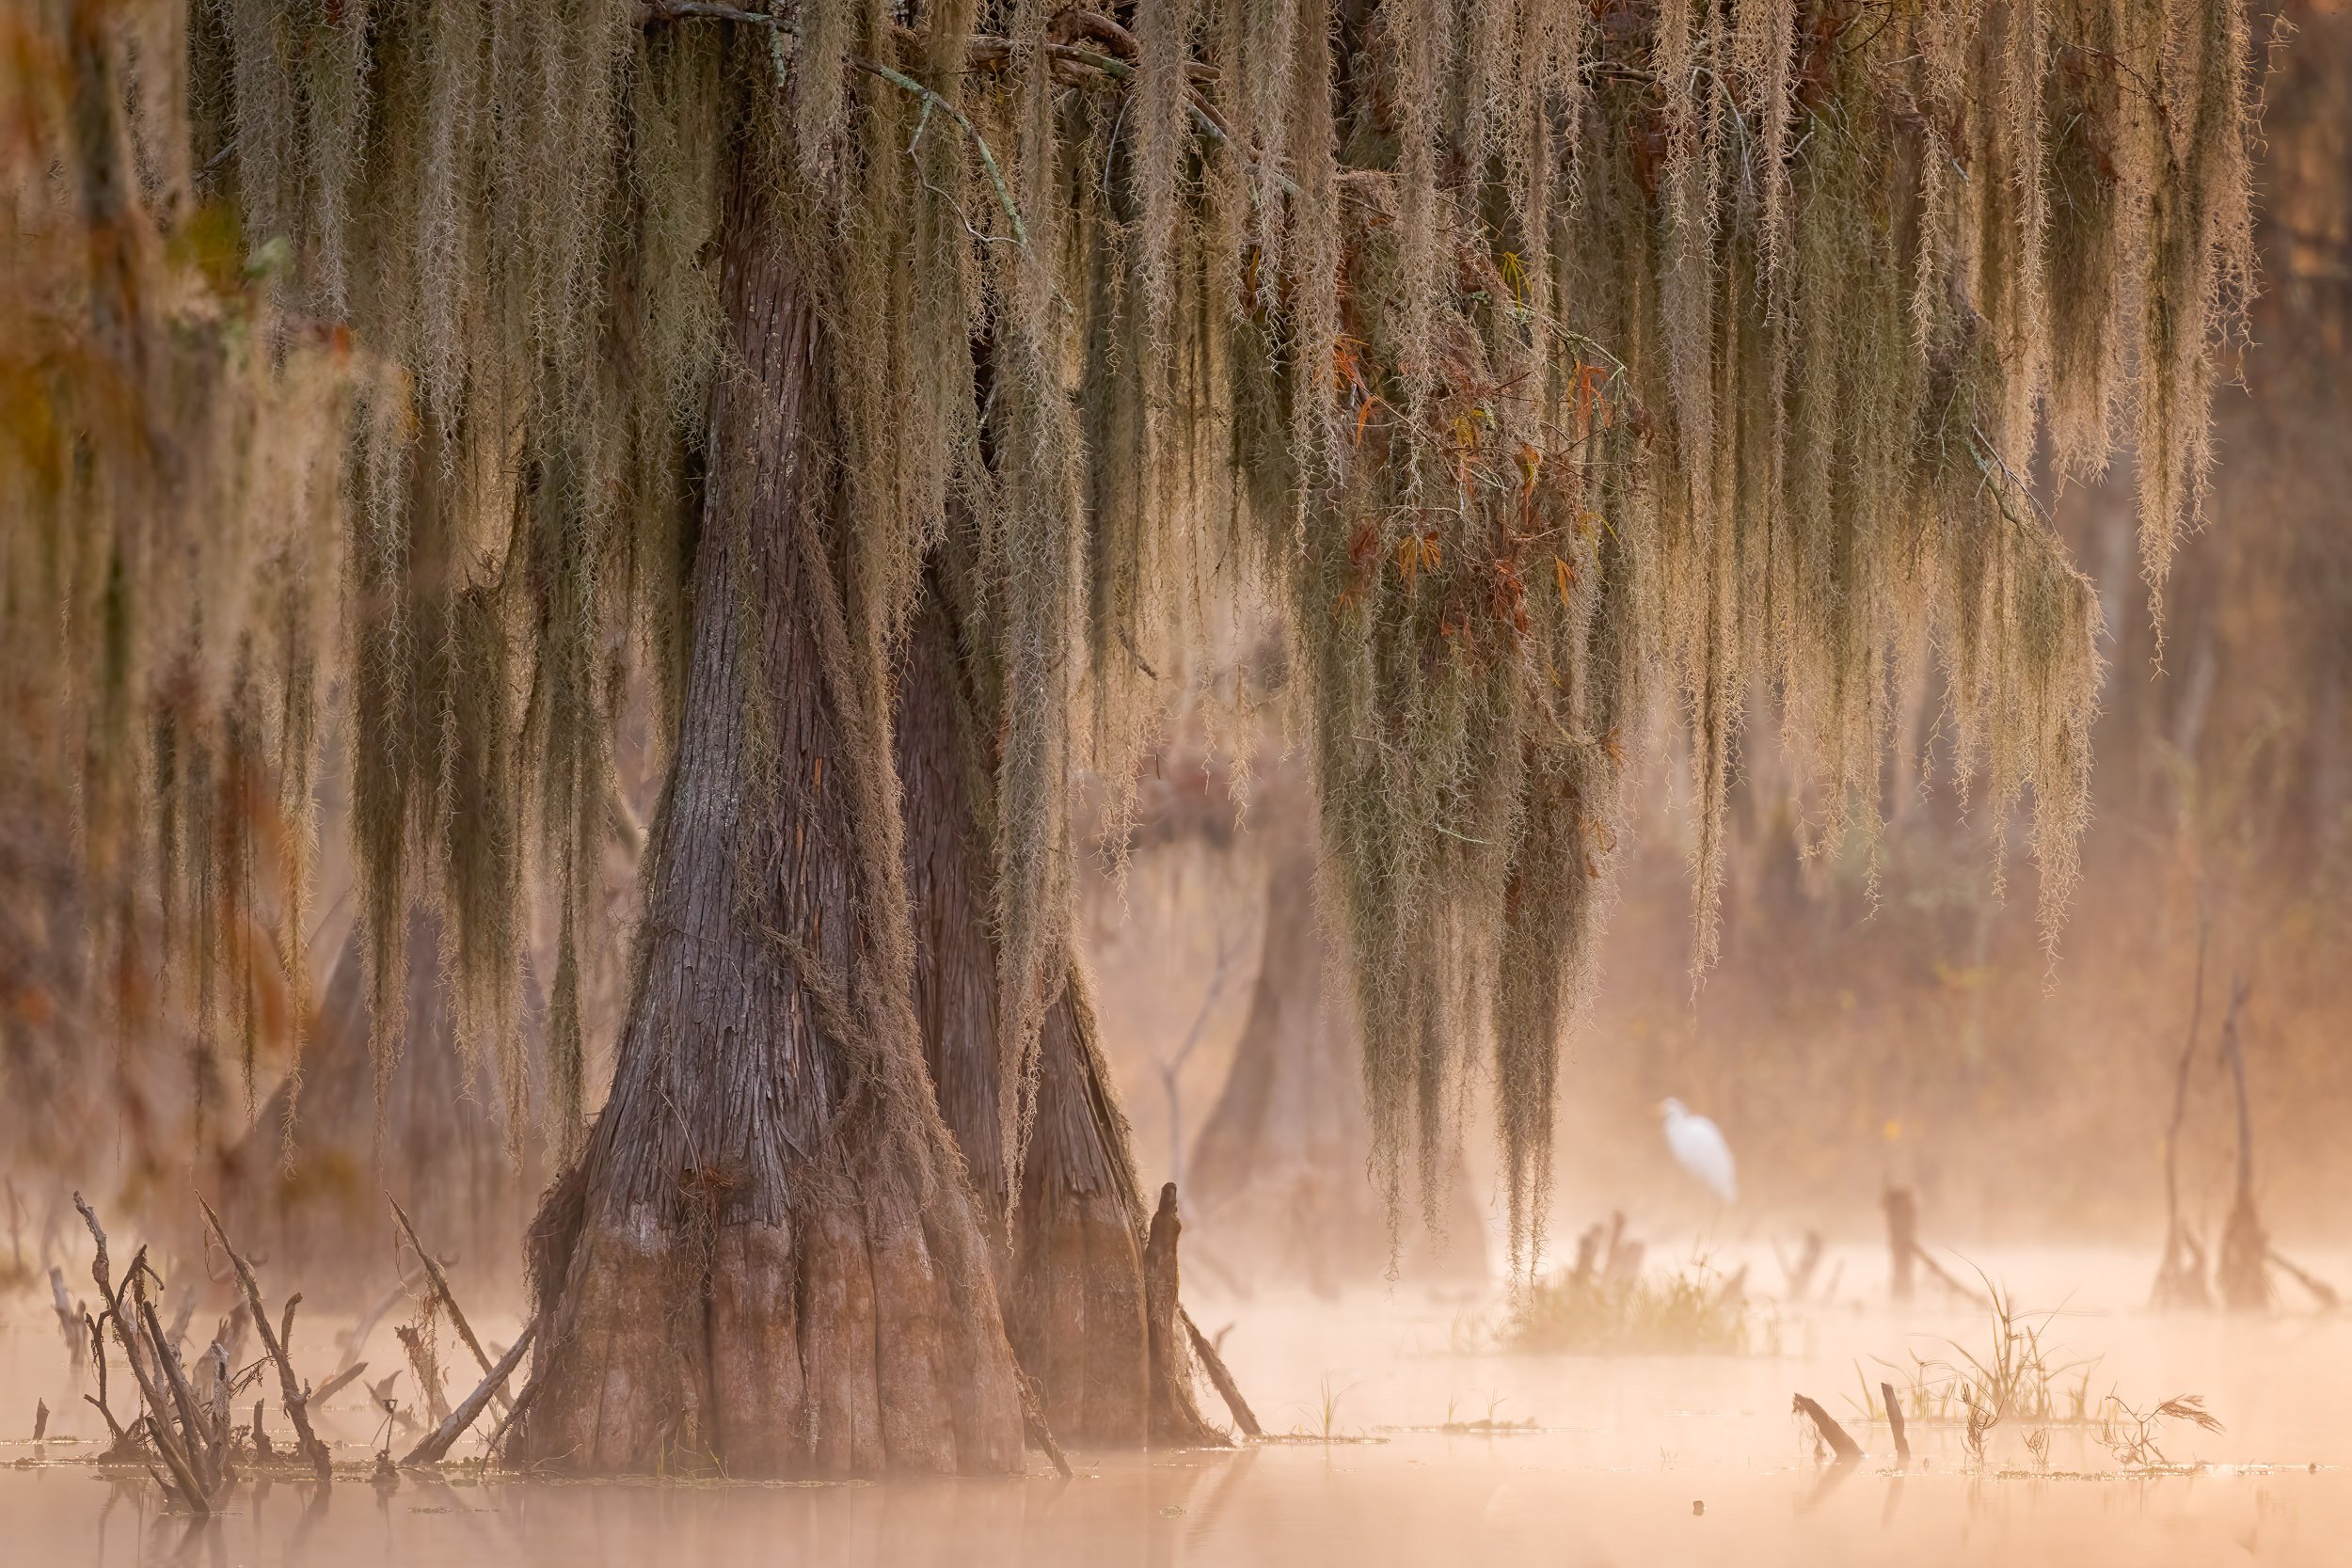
2321 1290
198 1442
522 1402
1951 1282
1894 1423
196 1453
97 1402
335 1384
2241 1271
1227 1388
1171 1419
1799 1273
2181 1276
292 1392
1033 1418
1905 1251
469 1408
1844 1448
448 1299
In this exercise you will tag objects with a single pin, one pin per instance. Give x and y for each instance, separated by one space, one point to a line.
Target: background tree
1551 360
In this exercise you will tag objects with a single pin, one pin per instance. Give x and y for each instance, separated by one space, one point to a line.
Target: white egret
1698 1146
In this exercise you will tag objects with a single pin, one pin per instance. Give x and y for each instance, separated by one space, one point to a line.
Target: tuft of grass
1325 1416
2018 1380
1690 1312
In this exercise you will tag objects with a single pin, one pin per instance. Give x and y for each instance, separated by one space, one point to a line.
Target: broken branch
1844 1448
440 1288
292 1394
469 1409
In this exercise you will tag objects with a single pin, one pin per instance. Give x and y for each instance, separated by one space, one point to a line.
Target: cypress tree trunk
1070 1268
767 1258
312 1196
1278 1176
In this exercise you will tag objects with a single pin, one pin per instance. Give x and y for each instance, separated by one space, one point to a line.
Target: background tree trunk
1072 1267
1277 1184
767 1257
310 1196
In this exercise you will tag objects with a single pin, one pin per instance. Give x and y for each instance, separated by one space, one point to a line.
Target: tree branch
438 1441
440 1287
290 1392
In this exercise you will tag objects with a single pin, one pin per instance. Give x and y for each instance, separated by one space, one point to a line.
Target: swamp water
1627 1460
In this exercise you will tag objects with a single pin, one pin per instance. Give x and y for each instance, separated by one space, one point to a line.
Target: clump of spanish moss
1558 364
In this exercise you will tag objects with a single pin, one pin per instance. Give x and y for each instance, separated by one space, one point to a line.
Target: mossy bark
766 1261
1071 1263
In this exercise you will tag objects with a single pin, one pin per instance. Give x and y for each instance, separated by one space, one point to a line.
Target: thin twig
979 144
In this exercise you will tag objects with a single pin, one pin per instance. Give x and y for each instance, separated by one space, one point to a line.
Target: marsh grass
2019 1379
1690 1312
1323 1415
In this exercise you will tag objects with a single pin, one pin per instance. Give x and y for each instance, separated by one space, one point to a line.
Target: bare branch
440 1288
469 1409
291 1391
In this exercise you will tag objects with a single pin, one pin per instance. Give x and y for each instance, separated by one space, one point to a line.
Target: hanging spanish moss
170 474
1558 362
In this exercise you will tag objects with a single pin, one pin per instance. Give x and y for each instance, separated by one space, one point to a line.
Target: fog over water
1625 1460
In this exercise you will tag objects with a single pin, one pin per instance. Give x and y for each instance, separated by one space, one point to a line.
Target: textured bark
1173 1419
1276 1181
1072 1265
765 1262
310 1196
